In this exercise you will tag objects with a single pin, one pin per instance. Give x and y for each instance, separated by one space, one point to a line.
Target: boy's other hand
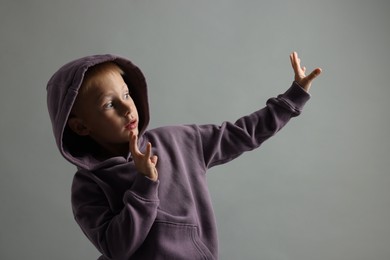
300 77
144 163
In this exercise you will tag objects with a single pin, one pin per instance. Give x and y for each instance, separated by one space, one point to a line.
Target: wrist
152 176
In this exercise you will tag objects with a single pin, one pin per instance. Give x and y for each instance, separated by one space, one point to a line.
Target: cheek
135 111
110 122
101 122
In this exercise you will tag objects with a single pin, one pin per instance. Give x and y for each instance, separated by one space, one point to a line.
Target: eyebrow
102 95
125 87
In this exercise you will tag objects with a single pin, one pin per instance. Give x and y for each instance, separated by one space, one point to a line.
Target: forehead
103 83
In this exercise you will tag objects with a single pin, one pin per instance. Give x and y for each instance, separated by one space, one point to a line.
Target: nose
126 109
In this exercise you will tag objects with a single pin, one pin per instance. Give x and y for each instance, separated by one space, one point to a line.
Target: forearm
223 143
118 235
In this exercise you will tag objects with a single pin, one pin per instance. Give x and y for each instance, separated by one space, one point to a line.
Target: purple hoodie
128 216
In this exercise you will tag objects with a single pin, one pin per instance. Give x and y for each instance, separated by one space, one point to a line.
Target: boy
152 204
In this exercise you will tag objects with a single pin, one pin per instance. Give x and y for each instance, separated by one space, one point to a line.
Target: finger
154 159
148 152
134 144
303 70
295 63
315 73
293 60
297 59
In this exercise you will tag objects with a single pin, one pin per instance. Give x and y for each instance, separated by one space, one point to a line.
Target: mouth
133 124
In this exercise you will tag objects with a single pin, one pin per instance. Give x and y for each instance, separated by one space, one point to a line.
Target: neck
106 151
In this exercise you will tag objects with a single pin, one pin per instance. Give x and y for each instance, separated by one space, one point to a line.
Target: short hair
92 76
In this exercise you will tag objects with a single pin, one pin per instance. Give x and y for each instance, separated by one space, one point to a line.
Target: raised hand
300 77
144 163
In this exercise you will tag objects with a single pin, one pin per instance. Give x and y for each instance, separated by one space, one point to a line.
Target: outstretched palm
300 76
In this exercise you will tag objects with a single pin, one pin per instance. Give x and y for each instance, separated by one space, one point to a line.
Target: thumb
154 159
315 73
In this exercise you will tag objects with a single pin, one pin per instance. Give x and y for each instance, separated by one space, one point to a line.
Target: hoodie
128 216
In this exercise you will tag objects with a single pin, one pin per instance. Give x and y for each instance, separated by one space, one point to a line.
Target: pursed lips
131 125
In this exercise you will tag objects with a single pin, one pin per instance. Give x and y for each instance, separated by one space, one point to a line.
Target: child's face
108 112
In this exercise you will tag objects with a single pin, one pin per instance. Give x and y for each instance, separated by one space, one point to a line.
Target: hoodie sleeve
117 235
223 143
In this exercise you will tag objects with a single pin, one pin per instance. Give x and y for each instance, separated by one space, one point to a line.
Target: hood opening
62 91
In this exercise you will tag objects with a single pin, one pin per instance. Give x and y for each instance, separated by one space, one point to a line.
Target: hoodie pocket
173 241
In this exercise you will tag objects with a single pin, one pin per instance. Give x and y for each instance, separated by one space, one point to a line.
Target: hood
62 90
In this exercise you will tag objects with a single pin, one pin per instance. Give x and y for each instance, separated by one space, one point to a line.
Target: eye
127 95
108 105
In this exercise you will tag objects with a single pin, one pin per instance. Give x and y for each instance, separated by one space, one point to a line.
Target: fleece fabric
128 216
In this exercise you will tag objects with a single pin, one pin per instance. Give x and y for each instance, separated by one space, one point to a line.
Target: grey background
317 190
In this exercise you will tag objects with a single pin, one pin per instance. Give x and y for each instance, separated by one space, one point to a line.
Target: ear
77 126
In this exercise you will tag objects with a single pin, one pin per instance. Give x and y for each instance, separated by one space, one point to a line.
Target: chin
135 131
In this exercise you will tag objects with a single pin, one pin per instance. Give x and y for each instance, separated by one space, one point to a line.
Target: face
107 113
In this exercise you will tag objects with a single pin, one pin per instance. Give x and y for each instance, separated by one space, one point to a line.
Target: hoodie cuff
296 96
145 187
